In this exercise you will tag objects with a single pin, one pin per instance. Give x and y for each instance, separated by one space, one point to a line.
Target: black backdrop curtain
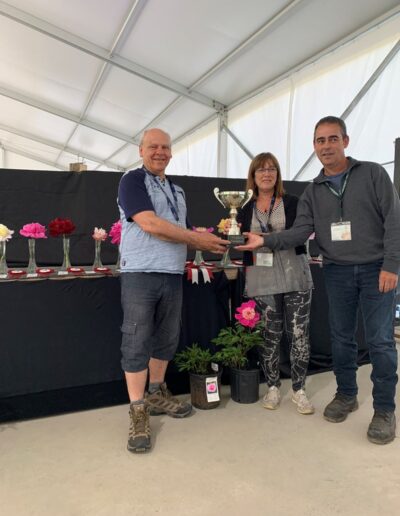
89 200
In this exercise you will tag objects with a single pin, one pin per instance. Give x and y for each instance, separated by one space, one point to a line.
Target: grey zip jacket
370 203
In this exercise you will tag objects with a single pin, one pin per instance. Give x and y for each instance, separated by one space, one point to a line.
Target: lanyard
173 206
265 228
339 194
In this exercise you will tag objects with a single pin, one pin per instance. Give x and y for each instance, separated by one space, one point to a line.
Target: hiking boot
304 405
139 430
272 398
382 429
162 402
340 407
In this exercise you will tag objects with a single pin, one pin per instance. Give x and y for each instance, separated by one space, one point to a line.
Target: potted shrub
235 342
205 380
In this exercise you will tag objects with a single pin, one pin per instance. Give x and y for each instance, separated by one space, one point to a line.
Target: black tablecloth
60 340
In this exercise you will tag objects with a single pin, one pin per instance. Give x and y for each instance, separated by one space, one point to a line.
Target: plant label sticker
212 389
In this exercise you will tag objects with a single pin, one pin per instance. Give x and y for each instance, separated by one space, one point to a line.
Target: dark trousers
290 312
350 287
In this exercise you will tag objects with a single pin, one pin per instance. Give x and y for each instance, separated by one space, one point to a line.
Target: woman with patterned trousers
280 282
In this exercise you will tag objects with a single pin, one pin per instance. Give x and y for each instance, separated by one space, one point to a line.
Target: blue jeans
151 303
350 287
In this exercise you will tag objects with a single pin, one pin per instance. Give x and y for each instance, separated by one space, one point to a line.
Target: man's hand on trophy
210 242
253 242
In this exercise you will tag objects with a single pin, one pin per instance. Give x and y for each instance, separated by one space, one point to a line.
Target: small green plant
194 359
236 341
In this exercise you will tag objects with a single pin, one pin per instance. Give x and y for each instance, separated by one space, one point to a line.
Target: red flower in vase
58 227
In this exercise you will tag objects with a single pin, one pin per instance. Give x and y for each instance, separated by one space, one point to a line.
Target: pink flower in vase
247 315
115 232
99 234
202 229
33 230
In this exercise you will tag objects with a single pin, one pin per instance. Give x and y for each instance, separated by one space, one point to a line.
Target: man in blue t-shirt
153 247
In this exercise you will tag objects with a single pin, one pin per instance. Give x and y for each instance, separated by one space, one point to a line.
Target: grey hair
152 129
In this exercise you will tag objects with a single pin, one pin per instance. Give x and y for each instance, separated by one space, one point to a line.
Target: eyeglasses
270 170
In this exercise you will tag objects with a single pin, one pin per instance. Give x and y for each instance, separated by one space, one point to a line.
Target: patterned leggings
292 313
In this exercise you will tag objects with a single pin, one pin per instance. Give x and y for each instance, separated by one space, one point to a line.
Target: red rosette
44 271
16 273
75 270
102 270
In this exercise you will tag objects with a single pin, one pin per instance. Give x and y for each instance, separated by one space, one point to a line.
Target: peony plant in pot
205 380
235 343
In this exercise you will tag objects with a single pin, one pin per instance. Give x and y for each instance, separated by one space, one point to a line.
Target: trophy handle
249 196
216 192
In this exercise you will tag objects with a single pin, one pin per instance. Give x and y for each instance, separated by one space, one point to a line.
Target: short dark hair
332 120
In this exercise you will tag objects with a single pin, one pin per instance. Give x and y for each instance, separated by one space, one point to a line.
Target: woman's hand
253 242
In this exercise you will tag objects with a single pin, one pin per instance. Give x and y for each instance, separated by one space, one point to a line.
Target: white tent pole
238 142
222 145
358 97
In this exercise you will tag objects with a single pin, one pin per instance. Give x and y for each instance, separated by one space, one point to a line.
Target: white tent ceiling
86 77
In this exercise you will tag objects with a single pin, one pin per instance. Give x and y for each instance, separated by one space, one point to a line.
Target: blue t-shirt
141 252
337 180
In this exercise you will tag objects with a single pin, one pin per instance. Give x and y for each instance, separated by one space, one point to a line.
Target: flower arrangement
115 232
63 227
5 233
198 257
202 229
33 230
99 234
60 226
222 225
222 228
237 340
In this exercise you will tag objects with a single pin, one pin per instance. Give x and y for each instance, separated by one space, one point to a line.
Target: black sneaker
382 429
139 431
339 408
162 402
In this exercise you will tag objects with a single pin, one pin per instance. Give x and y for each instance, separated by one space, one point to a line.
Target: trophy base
236 239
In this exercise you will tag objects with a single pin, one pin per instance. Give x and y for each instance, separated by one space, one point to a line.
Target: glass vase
97 255
32 256
198 258
225 260
3 263
118 264
66 261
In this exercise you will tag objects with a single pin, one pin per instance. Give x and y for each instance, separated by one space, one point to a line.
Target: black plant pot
245 385
199 388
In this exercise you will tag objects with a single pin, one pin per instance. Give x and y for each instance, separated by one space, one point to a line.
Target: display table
60 339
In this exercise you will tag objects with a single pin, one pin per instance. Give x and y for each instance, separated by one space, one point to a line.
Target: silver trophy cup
233 201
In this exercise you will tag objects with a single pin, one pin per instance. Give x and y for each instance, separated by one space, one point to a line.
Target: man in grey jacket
355 212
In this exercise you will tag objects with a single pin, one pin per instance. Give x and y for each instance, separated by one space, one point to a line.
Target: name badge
264 259
341 231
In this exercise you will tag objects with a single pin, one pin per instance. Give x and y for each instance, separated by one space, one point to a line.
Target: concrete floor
233 460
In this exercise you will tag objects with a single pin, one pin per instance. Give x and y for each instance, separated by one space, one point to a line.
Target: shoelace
138 422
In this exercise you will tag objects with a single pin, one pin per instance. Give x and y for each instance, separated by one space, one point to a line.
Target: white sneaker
304 405
272 398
